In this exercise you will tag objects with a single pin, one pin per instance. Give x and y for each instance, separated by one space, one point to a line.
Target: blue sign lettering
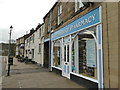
87 20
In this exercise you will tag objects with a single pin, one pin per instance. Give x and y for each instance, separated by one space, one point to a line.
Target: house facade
20 43
34 45
39 45
20 47
82 44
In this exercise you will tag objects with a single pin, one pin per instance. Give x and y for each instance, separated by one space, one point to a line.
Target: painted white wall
38 56
39 40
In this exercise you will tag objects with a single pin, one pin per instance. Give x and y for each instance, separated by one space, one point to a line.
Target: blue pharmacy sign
87 20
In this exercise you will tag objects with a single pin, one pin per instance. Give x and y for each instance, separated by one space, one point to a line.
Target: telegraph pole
8 74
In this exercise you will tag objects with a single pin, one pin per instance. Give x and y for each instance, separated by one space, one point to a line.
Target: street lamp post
8 74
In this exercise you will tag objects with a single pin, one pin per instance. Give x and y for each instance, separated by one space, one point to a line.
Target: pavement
3 60
33 76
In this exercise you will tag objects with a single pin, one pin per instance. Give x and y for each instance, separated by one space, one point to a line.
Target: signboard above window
90 19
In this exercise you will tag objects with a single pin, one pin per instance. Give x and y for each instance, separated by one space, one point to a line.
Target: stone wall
110 44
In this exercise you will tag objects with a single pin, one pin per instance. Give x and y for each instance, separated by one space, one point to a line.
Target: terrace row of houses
78 40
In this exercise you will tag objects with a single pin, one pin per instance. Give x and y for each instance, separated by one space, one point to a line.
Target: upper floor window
30 39
49 22
33 38
43 28
40 32
39 48
27 40
26 51
21 40
59 13
33 53
78 5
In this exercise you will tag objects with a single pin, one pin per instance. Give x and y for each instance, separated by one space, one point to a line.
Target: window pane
49 23
39 48
56 54
60 8
75 54
66 39
40 32
84 53
80 4
67 53
60 17
59 13
87 55
73 58
32 53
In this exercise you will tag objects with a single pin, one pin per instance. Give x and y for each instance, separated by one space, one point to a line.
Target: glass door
66 69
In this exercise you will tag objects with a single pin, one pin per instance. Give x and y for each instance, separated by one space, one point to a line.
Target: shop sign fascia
88 20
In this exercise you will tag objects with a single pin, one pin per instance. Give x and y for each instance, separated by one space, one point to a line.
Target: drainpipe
108 44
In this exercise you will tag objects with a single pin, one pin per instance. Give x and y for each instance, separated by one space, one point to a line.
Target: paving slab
33 76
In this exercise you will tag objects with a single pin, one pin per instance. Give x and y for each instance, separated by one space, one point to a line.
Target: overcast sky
22 15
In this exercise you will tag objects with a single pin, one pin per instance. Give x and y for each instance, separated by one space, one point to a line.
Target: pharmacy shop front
77 50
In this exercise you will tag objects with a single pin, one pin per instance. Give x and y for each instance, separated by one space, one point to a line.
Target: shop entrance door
66 64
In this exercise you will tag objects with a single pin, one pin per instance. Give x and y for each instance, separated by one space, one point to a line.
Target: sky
22 15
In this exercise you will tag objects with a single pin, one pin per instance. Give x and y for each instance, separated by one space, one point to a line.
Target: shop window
56 54
84 53
75 55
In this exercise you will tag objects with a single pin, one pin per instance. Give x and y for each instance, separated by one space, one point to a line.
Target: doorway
66 61
46 54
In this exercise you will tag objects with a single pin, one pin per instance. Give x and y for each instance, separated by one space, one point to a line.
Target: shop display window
84 53
75 54
56 54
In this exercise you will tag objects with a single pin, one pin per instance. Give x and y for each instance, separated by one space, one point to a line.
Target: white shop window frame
95 38
52 45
